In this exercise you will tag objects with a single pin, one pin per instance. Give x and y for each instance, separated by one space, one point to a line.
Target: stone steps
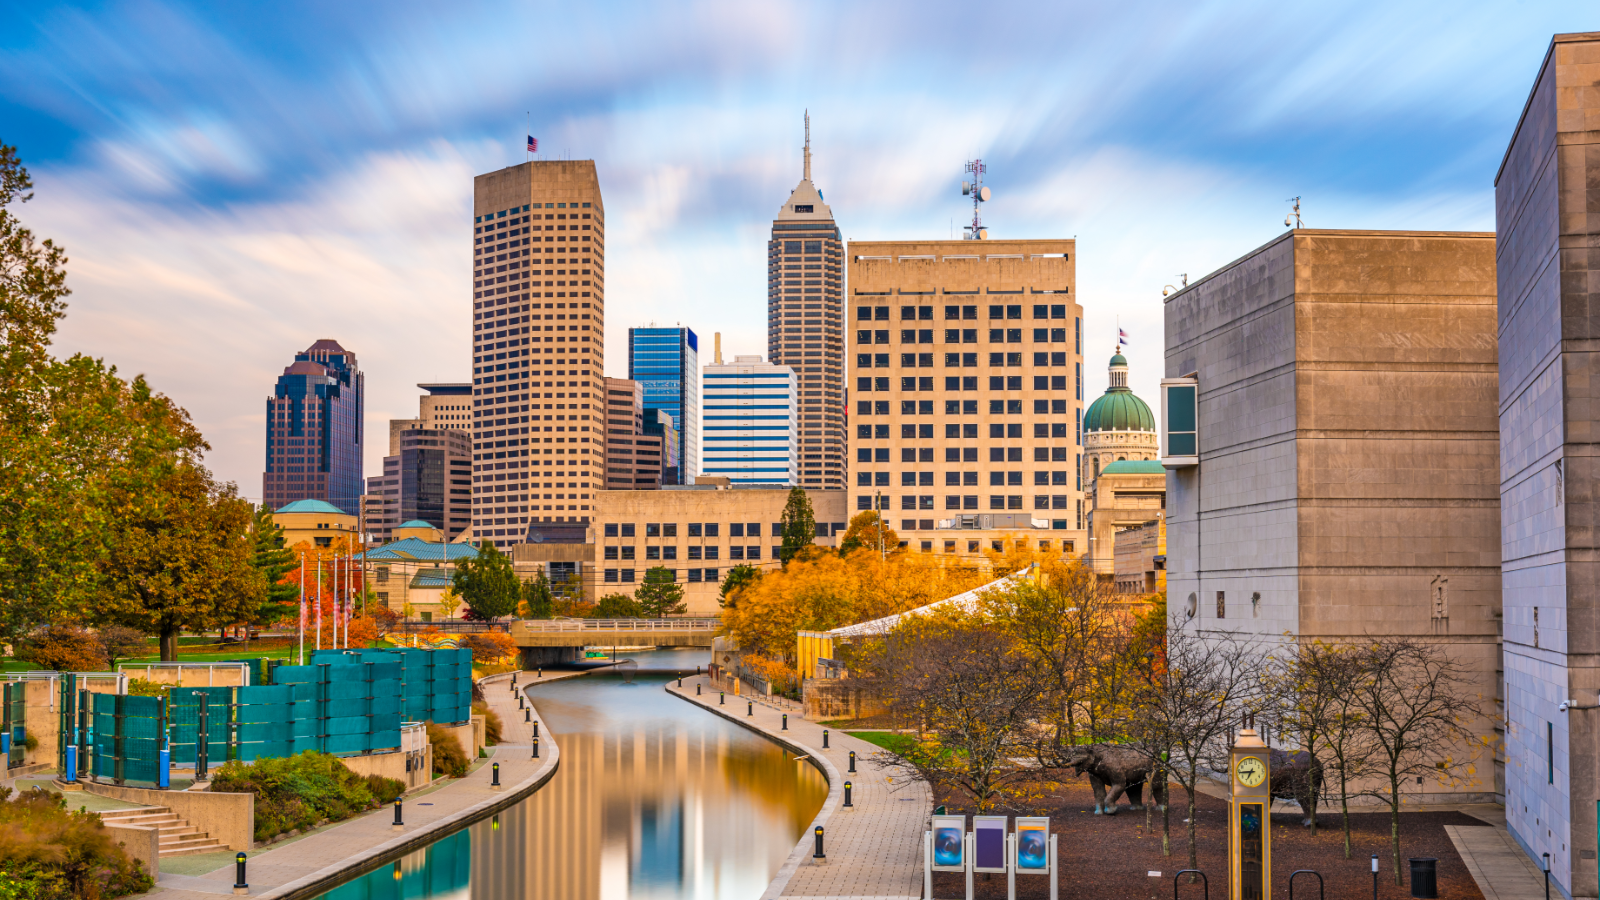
176 836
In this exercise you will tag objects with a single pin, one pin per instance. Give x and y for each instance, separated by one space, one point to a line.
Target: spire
808 145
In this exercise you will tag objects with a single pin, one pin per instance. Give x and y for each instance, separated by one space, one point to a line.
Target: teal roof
417 549
431 578
416 523
1118 410
1119 360
312 506
1135 467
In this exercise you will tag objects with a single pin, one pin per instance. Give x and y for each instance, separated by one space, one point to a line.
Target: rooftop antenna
808 145
979 194
1293 216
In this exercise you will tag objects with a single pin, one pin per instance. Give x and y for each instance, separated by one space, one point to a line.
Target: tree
1316 691
488 583
1414 702
536 600
65 648
569 598
738 578
182 558
618 606
799 524
449 601
275 562
660 595
868 531
121 642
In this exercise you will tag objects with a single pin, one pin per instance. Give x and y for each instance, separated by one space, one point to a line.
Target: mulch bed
1113 856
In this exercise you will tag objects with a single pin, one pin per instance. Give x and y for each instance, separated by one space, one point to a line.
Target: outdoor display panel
1251 856
1033 844
989 844
949 843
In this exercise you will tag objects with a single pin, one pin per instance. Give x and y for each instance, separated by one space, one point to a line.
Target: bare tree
1316 693
1418 711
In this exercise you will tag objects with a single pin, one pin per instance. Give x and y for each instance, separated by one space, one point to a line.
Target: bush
617 606
492 725
299 791
143 687
49 853
448 756
65 648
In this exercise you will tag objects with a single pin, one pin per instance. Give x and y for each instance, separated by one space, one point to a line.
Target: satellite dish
983 234
983 194
966 188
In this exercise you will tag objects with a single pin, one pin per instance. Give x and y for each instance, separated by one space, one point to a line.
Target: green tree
487 583
536 596
868 531
738 578
660 595
274 561
799 524
618 606
181 558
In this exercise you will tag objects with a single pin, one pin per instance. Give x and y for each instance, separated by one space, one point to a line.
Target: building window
1550 752
1222 605
611 576
627 576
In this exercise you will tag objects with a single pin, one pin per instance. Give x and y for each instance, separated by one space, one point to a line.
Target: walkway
875 848
301 868
1497 864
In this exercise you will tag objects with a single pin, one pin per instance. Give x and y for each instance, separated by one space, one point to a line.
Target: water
654 800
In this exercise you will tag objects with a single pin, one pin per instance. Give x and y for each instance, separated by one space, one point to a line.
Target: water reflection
654 799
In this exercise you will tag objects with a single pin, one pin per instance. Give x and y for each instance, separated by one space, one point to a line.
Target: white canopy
967 601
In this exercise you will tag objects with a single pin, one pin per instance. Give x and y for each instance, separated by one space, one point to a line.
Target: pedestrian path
874 848
305 868
1497 864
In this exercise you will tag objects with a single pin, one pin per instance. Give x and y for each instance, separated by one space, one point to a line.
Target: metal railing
450 626
576 625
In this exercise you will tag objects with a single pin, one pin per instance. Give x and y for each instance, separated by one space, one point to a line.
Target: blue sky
233 181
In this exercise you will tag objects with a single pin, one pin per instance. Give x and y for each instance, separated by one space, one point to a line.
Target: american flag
1122 336
533 144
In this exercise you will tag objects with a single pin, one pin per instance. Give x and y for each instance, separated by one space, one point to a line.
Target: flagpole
319 602
302 628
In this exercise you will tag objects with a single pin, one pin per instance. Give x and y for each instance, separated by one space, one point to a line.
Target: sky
234 181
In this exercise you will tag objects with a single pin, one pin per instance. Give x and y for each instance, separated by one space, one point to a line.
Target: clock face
1250 771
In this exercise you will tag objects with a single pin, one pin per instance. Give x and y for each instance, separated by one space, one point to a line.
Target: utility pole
883 555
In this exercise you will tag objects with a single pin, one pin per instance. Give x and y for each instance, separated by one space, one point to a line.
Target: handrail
1204 881
567 625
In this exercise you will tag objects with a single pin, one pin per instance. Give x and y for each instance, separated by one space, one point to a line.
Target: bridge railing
545 626
450 626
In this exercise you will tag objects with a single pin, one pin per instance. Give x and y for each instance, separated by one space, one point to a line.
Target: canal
654 799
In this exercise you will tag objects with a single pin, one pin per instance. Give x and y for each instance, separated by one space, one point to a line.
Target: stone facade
1547 219
1141 558
1348 480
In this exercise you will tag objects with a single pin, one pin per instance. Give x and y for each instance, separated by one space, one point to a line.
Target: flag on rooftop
1122 336
533 144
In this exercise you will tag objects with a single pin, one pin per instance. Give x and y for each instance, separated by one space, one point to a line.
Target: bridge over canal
547 641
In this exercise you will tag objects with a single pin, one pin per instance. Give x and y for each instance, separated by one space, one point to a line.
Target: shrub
49 853
121 642
491 723
65 648
448 756
142 687
299 791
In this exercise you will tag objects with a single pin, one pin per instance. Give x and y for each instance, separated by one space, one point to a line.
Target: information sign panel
1033 844
989 844
949 843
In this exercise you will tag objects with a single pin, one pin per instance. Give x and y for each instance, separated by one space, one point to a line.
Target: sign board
1033 845
949 843
989 844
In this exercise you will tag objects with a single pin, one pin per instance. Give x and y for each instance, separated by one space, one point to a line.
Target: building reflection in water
654 799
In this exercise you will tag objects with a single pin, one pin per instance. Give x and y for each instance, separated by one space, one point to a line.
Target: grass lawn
891 741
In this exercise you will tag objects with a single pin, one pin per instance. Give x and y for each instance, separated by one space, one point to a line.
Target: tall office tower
805 324
666 364
314 430
968 372
658 424
427 474
633 456
750 419
537 347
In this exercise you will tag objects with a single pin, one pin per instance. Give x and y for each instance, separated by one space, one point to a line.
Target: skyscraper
750 432
666 364
805 323
537 347
427 474
314 430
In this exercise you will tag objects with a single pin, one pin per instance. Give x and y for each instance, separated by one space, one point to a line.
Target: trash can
1424 876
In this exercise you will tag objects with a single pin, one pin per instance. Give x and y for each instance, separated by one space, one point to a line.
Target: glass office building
666 364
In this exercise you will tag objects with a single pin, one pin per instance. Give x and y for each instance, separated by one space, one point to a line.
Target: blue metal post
71 774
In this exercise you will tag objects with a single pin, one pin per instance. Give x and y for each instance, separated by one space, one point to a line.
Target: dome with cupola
1118 409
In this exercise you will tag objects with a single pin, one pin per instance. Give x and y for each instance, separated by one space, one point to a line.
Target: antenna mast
808 145
979 193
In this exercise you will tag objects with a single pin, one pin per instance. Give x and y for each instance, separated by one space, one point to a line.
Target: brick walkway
305 868
875 848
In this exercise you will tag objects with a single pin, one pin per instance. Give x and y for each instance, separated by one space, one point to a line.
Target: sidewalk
873 849
305 868
1497 864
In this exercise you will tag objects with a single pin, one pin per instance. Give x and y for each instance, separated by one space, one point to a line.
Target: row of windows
505 212
925 313
964 336
962 408
750 551
954 430
628 576
970 501
970 361
958 479
996 454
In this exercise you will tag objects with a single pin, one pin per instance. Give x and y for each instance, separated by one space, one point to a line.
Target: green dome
1119 360
1118 410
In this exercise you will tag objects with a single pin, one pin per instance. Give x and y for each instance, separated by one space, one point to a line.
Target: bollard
513 679
750 707
697 670
519 702
722 698
496 782
535 748
399 823
536 730
541 671
824 738
1547 876
527 715
847 803
852 762
785 722
680 681
240 886
819 854
1374 876
697 690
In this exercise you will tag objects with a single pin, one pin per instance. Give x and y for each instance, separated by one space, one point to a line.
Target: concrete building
967 367
666 364
1119 438
1126 494
317 523
632 456
1344 433
315 429
442 407
1141 558
805 324
538 351
751 417
1547 222
427 474
410 574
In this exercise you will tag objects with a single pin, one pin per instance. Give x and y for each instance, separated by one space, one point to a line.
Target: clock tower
1249 818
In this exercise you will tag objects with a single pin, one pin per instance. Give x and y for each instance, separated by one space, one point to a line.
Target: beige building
1345 430
538 323
967 371
317 523
1126 494
1141 558
1123 483
427 473
632 458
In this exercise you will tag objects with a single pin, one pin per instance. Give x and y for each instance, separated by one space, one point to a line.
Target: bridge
546 641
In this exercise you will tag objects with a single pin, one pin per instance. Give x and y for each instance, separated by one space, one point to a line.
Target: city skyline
293 181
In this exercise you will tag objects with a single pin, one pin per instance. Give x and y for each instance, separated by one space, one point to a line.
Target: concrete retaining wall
142 844
229 818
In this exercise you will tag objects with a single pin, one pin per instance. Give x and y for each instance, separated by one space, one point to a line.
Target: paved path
305 868
875 848
1497 864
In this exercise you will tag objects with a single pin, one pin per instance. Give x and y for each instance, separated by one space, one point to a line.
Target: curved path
874 848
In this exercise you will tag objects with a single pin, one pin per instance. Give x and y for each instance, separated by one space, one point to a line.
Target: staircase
178 837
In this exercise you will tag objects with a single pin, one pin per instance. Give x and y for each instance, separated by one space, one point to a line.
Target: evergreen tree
536 596
274 561
487 583
736 580
799 523
660 595
617 606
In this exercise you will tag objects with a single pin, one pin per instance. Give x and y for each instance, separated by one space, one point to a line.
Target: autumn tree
488 583
660 595
799 524
868 531
449 602
738 578
66 648
1315 689
121 642
569 599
